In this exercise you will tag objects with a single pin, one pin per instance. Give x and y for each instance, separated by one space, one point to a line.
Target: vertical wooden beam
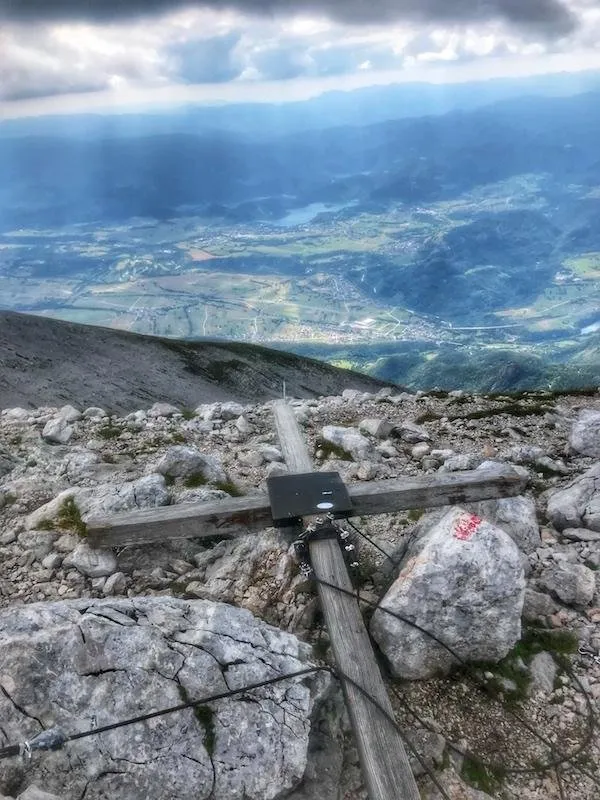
386 770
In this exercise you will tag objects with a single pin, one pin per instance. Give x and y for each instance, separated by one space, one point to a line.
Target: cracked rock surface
62 663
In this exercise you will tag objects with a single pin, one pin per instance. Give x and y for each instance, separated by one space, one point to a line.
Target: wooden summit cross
385 766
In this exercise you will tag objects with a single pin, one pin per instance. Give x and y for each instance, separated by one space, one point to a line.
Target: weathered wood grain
240 515
234 516
450 488
386 770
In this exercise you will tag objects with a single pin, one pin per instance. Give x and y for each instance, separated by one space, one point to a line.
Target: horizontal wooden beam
230 517
441 489
240 515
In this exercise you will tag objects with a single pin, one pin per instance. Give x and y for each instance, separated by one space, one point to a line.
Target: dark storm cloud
552 16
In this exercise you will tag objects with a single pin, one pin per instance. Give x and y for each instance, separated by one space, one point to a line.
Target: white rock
250 458
57 431
572 584
80 464
380 428
16 414
70 414
201 495
462 580
209 412
442 454
350 440
183 462
162 410
151 491
90 562
461 462
585 434
243 425
34 793
52 561
270 453
115 584
276 468
580 535
515 515
567 507
231 410
419 450
591 514
114 658
50 510
94 412
543 670
412 433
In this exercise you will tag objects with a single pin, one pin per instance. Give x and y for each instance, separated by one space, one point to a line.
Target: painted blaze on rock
463 581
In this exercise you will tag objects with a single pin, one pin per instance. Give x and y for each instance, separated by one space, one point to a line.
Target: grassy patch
484 778
46 525
195 481
230 488
68 518
333 450
109 431
188 414
427 416
512 409
178 438
558 643
205 716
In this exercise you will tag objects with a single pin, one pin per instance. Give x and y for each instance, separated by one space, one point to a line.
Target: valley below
419 253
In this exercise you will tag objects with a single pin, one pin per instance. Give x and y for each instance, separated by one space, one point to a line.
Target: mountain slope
47 362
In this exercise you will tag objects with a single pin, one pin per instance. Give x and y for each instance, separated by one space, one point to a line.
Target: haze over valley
443 238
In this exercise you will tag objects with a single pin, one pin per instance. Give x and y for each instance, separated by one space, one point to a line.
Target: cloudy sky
69 55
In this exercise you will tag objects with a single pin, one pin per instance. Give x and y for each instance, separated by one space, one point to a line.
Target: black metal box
307 494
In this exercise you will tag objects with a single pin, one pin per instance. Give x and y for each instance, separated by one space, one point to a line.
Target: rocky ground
61 466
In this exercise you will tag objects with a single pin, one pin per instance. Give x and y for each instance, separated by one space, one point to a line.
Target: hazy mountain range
50 180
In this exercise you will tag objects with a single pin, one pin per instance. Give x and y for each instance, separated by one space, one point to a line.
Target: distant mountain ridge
48 362
49 180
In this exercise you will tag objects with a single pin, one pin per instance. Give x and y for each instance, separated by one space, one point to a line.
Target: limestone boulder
163 410
577 504
70 414
351 440
57 431
182 461
462 581
65 664
515 515
375 426
585 433
149 491
572 584
91 562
